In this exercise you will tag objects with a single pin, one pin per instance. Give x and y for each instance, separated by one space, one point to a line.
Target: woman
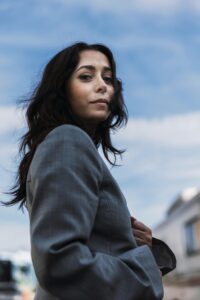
84 243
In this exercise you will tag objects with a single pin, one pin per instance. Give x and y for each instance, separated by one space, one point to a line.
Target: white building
181 230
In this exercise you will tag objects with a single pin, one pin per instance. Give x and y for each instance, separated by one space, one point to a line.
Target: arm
66 174
163 255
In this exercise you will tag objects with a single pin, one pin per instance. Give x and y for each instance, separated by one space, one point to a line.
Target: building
181 231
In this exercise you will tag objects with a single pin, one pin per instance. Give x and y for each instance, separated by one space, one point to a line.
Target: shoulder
66 145
70 137
69 133
67 139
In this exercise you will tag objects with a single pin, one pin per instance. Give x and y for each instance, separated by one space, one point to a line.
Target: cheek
79 92
78 98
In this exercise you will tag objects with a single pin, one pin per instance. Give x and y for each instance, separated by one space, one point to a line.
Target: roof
186 196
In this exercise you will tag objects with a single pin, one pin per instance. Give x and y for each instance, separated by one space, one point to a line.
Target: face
90 88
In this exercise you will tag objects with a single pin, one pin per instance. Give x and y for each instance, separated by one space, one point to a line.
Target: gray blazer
82 243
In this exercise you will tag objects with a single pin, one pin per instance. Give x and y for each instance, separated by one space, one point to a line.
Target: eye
108 79
85 77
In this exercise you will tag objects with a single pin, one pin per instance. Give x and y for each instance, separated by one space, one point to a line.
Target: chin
100 118
95 119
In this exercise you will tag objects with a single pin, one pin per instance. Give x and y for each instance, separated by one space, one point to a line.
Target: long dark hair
49 107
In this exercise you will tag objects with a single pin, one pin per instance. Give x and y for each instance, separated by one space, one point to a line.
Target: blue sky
156 45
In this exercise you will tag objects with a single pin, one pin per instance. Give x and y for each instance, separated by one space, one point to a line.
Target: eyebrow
92 68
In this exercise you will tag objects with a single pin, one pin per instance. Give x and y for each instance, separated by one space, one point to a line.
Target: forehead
93 57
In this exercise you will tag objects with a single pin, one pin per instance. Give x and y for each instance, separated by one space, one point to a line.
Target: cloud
20 232
152 6
173 131
163 153
135 41
23 39
162 150
11 128
162 7
11 118
162 159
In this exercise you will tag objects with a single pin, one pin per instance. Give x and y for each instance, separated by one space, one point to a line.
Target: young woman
85 245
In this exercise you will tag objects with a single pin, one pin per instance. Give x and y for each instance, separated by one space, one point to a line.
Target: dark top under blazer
82 244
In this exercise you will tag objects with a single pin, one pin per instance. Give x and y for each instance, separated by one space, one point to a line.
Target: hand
142 233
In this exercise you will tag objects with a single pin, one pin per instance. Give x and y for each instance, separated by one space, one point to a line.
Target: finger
142 235
140 226
147 238
139 233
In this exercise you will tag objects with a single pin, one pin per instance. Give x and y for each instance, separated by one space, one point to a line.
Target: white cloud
162 159
162 149
133 41
163 7
11 118
11 128
20 232
178 130
8 155
29 39
35 38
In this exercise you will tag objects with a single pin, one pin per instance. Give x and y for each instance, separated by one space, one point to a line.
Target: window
5 271
192 233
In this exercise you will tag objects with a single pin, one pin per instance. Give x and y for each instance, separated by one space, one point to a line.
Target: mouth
101 100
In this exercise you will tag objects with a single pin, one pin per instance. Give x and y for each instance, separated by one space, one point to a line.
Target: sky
156 45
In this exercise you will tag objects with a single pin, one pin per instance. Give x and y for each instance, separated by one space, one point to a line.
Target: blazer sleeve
164 256
65 177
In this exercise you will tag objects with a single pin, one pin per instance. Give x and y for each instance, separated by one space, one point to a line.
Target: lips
101 101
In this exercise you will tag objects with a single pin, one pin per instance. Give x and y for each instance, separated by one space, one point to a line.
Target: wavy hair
49 107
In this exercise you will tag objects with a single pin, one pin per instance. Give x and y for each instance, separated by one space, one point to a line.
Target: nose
101 86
